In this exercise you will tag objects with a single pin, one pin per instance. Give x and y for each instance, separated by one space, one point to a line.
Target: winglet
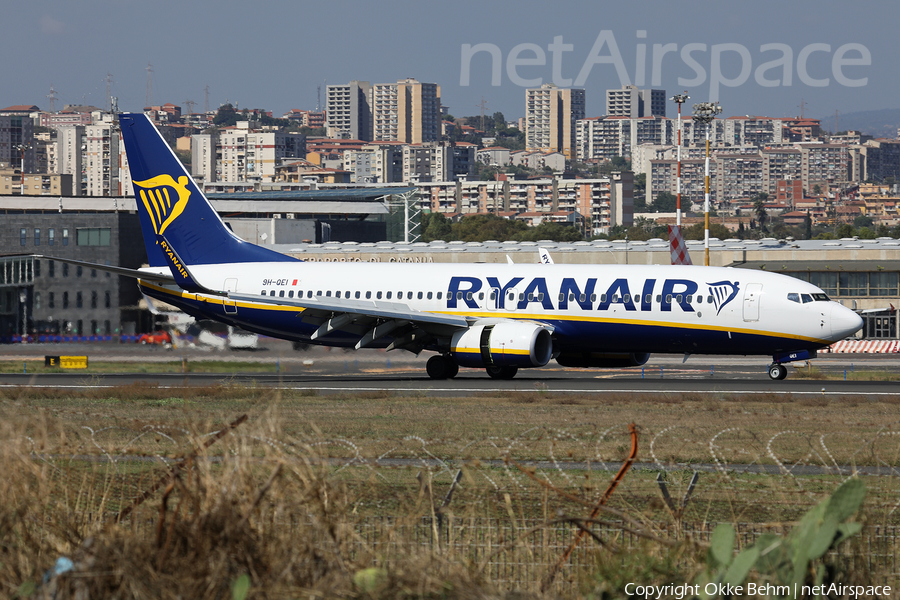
180 271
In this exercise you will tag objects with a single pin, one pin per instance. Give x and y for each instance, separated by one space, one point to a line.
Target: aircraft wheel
452 367
502 372
438 367
777 372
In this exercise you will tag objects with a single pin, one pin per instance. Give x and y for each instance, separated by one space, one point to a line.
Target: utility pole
109 82
52 97
482 105
679 99
705 112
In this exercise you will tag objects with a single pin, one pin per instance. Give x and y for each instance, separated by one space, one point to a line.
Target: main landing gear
502 372
777 371
441 367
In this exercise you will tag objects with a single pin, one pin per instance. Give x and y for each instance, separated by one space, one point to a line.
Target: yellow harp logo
157 198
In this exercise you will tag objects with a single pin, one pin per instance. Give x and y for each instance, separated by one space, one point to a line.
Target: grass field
264 502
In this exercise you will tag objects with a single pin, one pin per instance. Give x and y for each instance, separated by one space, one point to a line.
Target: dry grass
264 501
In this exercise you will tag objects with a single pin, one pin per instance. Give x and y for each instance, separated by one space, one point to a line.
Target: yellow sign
73 362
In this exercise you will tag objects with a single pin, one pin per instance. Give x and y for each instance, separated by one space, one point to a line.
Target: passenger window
318 293
356 295
281 294
593 297
347 294
338 293
480 295
668 298
429 295
648 299
794 297
602 297
659 298
709 299
521 296
368 295
690 299
581 298
262 293
699 299
458 295
378 295
494 296
512 296
541 297
626 298
571 297
291 294
615 299
309 293
806 298
272 293
531 297
389 295
409 295
419 296
328 294
678 298
440 294
468 295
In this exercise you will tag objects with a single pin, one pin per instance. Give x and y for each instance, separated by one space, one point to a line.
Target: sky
763 57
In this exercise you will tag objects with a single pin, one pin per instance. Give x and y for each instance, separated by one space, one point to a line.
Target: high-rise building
634 103
244 154
349 111
551 115
407 111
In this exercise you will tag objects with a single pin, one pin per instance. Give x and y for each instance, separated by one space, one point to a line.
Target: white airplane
499 317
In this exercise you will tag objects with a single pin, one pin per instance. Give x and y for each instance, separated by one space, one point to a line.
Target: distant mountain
877 123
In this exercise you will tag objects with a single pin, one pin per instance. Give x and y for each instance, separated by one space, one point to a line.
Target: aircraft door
511 301
228 303
752 294
493 299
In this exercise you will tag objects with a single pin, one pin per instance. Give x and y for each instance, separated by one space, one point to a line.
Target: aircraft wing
135 273
411 328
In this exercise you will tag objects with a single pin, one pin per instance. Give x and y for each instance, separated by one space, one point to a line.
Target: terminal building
42 296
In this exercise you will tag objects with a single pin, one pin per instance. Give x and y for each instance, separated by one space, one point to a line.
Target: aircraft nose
844 322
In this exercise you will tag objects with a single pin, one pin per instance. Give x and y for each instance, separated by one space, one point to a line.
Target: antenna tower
319 98
190 106
52 97
149 84
206 99
802 107
482 105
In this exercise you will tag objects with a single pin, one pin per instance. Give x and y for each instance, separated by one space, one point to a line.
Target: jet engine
504 344
603 360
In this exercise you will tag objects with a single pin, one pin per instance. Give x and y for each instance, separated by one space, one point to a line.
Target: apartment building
348 111
17 131
551 115
780 164
438 161
880 160
601 203
822 164
633 103
663 177
406 111
203 156
738 176
70 139
753 131
244 154
602 138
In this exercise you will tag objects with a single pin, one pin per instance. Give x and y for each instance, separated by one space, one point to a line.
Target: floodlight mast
705 112
679 99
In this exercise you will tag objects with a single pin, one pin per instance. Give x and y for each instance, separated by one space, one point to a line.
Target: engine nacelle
504 344
603 360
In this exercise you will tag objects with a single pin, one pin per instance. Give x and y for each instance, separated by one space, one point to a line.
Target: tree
435 226
665 202
844 230
862 221
759 208
698 231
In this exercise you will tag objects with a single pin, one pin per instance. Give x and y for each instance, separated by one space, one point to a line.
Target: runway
332 371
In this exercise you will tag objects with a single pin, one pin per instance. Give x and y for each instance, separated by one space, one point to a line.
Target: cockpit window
794 297
820 297
806 298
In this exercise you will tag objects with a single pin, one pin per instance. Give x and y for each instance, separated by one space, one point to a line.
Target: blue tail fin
170 203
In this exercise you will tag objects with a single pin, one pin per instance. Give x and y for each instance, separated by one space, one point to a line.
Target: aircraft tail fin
171 204
679 250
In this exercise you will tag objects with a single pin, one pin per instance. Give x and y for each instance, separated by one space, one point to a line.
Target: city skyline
760 59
